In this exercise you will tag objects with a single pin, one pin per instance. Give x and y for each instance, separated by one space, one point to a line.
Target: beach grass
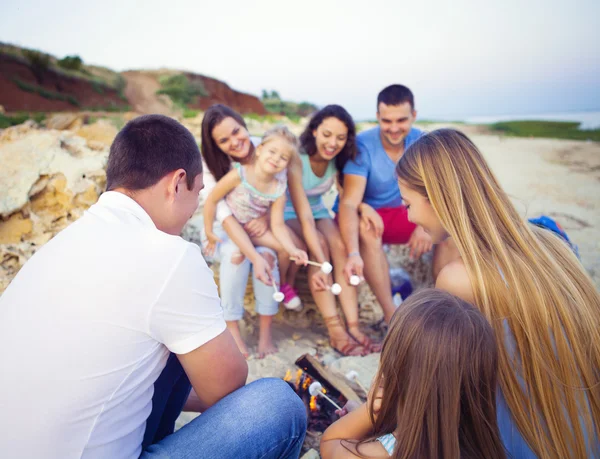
546 129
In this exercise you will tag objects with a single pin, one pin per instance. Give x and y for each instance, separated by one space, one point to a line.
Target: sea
588 120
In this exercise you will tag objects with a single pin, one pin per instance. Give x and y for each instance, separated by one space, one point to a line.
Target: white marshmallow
354 280
315 389
336 289
326 267
278 296
352 375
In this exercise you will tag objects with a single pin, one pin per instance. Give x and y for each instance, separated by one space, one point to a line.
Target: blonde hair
525 279
282 132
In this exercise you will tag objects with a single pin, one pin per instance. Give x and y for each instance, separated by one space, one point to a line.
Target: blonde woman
542 304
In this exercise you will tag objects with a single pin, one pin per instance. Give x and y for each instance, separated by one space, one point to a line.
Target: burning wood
331 382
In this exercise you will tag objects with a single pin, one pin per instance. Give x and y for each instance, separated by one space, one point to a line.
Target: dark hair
148 148
217 161
396 94
438 372
309 145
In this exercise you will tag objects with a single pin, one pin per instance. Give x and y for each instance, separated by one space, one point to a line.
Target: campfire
327 390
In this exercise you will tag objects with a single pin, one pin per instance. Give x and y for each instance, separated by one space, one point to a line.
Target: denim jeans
233 279
264 419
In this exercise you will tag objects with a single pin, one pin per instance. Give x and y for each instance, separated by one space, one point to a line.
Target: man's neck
395 152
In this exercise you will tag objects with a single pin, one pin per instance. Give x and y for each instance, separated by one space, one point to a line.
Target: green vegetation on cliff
274 104
181 89
546 129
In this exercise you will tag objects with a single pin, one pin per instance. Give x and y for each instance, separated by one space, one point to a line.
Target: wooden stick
309 262
321 394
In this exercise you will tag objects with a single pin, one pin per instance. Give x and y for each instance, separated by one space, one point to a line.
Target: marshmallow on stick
325 266
336 289
352 375
316 390
277 296
354 280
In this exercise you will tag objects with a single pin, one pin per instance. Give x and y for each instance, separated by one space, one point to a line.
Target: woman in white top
225 139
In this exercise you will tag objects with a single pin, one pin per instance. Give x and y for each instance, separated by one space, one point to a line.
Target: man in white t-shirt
106 329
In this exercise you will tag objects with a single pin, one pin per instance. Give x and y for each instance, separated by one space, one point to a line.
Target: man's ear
414 114
178 179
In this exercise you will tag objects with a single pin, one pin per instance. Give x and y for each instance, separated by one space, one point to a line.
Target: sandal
366 342
351 347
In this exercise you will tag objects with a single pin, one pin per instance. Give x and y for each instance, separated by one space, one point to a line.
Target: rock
63 121
16 132
311 454
102 131
366 367
28 158
47 180
14 228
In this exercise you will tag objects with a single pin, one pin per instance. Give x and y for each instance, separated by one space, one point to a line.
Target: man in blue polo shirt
370 210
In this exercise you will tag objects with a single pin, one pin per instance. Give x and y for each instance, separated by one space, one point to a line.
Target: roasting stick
325 266
316 390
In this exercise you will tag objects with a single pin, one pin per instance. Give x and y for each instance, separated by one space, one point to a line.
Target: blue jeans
233 278
264 419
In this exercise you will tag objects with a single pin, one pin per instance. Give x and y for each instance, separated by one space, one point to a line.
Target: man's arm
215 369
354 190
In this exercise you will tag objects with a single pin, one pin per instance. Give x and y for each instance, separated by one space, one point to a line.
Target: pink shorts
396 227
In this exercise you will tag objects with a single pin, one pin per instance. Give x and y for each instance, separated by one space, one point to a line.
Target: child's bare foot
234 329
265 342
265 349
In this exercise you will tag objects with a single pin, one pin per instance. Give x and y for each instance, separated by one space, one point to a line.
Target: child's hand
211 243
320 281
262 271
348 408
299 256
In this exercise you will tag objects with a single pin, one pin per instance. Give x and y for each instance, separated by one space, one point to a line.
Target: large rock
45 153
47 180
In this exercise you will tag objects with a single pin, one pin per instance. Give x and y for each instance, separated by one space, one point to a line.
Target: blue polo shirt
373 163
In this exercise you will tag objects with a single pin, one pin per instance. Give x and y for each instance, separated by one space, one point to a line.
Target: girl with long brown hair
434 395
539 299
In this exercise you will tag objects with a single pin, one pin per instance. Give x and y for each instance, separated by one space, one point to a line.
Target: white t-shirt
86 328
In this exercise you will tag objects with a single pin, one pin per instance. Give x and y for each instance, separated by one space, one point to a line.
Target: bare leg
265 341
234 329
377 270
349 296
290 275
325 301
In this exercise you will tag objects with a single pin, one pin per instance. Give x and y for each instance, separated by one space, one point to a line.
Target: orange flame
306 382
288 376
298 376
313 403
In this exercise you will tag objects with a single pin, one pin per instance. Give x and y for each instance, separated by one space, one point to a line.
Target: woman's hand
419 243
371 219
258 226
320 281
211 243
300 257
354 266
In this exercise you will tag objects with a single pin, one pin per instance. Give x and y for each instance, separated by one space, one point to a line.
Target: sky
461 58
